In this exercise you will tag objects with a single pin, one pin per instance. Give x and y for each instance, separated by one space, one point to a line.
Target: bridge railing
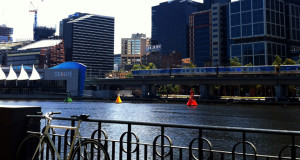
161 146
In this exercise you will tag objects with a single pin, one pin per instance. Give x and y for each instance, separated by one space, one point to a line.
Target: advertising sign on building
153 48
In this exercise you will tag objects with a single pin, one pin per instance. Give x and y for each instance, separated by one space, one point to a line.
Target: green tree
289 61
151 66
299 61
249 64
138 67
191 65
277 60
129 75
235 62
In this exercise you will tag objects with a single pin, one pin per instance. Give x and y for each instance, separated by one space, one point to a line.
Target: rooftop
41 44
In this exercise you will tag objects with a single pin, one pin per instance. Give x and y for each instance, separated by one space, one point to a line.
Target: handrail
206 127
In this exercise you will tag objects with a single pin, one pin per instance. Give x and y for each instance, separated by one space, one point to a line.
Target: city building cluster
184 32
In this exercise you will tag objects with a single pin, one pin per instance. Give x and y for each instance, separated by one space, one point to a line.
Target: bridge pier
205 91
280 92
145 90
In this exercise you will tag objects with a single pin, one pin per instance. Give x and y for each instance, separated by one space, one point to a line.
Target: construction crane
35 20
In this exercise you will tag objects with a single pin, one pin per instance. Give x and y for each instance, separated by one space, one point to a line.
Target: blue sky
131 16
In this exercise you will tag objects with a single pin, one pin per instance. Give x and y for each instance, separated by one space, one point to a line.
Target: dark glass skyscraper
89 39
170 25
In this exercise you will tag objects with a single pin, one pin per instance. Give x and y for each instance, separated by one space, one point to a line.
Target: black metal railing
129 145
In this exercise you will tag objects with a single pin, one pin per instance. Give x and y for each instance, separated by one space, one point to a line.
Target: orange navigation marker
118 100
192 101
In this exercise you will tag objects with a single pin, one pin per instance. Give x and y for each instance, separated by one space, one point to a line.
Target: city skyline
133 16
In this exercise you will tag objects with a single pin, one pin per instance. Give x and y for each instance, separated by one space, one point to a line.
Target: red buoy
192 101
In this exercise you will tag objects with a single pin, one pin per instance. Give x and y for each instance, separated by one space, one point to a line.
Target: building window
235 32
215 36
246 5
235 19
235 50
258 16
247 30
214 8
257 4
259 48
258 29
246 18
215 19
235 7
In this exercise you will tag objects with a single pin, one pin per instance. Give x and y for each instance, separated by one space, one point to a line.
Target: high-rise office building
89 39
133 49
170 25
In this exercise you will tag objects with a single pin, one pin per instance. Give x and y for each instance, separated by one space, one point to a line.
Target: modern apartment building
89 39
170 25
133 49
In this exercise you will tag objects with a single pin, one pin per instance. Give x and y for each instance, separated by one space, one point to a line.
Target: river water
249 116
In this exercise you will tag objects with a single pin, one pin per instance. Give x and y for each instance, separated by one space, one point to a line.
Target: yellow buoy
118 100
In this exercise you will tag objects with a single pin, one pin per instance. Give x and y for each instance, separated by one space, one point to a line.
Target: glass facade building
257 31
89 39
200 38
170 25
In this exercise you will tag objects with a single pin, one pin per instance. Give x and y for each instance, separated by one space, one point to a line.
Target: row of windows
255 52
247 30
275 17
275 5
245 5
295 11
246 49
275 30
247 17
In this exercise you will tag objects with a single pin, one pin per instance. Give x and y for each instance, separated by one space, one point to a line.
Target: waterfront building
5 34
132 50
32 54
42 83
170 22
89 39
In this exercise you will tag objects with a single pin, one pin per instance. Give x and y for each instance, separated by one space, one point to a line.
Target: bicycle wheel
29 145
90 150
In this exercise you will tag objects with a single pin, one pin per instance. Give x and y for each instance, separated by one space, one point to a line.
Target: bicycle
34 146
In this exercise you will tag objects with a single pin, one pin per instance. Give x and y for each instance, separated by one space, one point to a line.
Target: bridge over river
280 83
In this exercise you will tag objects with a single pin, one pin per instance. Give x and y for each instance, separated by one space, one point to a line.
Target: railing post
200 145
129 142
162 142
293 148
72 131
244 145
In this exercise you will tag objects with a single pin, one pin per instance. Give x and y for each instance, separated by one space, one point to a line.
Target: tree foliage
235 62
277 61
169 89
289 61
138 67
249 64
151 66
